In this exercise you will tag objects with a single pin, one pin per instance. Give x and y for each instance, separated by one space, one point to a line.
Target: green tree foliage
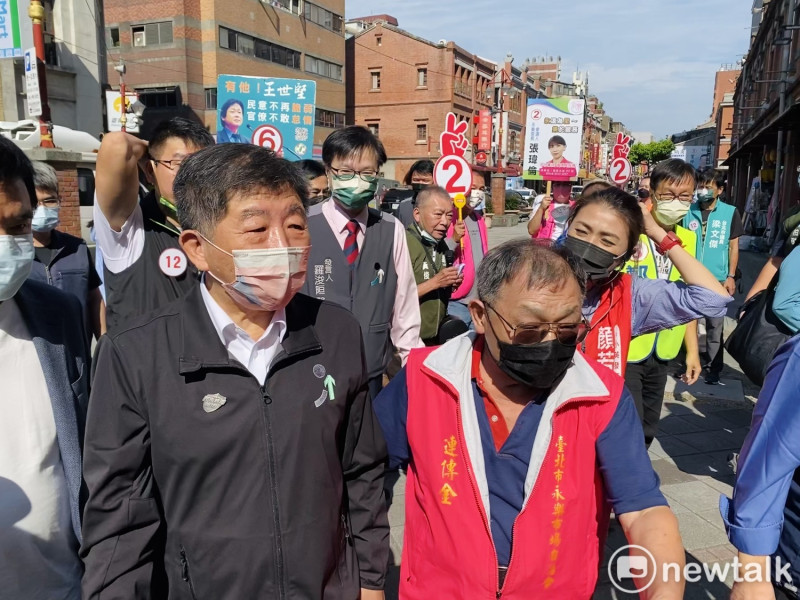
651 153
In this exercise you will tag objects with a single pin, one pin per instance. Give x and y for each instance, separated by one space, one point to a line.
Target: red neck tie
351 242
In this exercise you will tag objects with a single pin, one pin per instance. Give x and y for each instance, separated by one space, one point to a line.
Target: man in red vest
518 446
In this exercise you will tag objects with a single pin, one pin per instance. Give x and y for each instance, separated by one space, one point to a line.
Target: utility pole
36 13
123 120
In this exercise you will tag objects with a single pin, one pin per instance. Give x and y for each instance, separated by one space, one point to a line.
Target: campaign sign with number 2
454 174
452 171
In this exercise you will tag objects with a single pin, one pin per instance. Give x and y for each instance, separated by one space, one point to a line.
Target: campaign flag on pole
272 112
554 138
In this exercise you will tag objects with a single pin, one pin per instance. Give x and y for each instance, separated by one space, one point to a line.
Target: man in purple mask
231 446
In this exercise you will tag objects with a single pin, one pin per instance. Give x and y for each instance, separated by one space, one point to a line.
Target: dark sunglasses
529 334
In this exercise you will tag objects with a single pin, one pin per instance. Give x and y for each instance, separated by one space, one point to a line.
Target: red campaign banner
484 130
620 168
452 171
453 139
622 147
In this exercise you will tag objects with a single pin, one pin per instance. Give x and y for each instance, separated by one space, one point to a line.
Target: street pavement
701 426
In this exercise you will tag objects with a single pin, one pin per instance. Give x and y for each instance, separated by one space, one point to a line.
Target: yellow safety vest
667 342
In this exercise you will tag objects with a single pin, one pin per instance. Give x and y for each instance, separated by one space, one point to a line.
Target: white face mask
16 261
476 197
266 278
669 213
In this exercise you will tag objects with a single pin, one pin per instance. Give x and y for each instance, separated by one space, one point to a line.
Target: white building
643 137
76 69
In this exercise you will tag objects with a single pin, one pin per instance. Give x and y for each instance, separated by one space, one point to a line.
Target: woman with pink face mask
549 218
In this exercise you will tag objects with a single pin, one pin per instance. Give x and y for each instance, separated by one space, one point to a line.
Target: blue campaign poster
267 111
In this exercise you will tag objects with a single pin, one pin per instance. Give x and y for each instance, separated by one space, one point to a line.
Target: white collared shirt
38 547
256 356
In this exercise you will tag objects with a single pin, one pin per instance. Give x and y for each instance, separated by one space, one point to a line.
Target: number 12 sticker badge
173 262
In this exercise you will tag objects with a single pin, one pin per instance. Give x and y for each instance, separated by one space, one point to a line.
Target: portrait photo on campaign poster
275 113
554 138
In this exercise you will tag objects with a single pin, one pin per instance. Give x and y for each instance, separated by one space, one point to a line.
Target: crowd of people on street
269 345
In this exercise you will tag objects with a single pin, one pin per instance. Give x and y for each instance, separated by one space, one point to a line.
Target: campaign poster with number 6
274 113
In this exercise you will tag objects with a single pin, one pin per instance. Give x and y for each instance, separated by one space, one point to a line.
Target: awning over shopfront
788 120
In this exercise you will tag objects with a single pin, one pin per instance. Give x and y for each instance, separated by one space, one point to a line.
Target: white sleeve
120 249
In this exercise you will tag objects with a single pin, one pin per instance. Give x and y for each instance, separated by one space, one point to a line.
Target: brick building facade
402 86
765 137
175 49
66 165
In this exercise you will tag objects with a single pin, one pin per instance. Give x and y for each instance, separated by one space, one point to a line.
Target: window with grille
211 98
329 118
166 97
422 132
113 37
323 67
253 46
152 34
323 17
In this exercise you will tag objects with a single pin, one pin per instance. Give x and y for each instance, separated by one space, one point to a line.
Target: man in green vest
431 258
718 227
672 185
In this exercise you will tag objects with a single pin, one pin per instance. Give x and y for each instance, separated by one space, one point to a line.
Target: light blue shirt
770 454
659 304
786 303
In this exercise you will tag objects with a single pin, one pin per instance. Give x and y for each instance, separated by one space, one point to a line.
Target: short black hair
311 169
556 139
351 141
546 264
15 165
191 132
672 170
596 185
223 112
619 201
422 167
710 175
208 179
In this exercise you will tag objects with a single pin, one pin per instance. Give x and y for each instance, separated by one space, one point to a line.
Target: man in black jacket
231 447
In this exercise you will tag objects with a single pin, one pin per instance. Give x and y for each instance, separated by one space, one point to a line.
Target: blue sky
651 62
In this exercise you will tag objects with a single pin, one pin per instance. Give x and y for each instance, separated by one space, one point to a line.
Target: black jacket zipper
274 489
185 573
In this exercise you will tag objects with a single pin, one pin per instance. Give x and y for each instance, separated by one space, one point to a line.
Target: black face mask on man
537 366
596 262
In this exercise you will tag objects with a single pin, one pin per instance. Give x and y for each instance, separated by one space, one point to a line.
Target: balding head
431 192
434 211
